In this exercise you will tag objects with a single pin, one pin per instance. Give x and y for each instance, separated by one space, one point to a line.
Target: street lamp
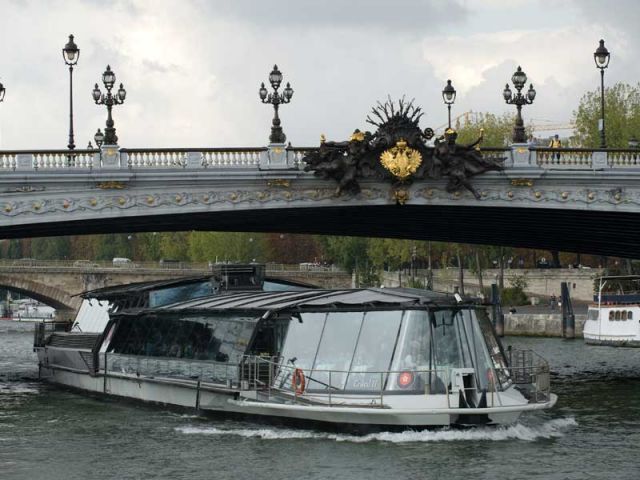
71 54
601 56
449 96
2 90
99 138
109 99
519 78
275 99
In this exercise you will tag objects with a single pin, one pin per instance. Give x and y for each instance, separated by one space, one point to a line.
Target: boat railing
271 379
531 374
45 328
146 366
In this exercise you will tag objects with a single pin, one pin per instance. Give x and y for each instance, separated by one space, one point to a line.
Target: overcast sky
192 68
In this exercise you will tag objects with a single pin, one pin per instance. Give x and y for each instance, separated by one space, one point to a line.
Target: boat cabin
402 341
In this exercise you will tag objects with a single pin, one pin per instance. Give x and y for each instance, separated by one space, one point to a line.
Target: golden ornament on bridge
401 160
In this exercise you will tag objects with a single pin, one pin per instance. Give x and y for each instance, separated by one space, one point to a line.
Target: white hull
612 333
215 398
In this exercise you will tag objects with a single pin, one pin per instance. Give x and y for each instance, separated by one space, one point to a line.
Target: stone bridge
564 199
57 283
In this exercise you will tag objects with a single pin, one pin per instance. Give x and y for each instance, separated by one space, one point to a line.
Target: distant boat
614 317
29 310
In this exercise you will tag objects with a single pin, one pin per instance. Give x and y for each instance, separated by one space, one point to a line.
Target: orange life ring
298 382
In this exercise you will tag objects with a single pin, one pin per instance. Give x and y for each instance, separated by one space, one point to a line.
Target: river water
51 433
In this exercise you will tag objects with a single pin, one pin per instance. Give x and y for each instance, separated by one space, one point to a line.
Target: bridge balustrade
258 157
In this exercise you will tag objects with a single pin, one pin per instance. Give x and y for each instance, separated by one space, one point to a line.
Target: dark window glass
166 296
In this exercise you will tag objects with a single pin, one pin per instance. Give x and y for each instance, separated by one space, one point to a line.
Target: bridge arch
47 294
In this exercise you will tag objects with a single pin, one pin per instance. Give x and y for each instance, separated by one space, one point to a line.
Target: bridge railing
27 264
195 157
266 158
47 159
585 158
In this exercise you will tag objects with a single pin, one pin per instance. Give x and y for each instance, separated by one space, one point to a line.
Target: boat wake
550 429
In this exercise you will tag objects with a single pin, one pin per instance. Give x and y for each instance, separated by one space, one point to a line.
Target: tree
50 248
498 129
621 111
347 252
291 249
224 247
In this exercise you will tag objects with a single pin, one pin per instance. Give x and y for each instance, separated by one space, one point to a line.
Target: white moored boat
614 317
372 358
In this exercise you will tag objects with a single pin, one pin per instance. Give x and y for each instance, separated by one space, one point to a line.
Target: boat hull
217 399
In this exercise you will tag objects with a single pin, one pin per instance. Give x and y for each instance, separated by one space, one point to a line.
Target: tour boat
355 359
614 317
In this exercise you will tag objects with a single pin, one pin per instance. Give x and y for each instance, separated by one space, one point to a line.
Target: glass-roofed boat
348 358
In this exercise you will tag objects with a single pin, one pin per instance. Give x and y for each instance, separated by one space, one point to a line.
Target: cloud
398 15
192 68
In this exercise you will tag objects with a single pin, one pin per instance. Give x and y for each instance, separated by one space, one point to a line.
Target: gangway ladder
568 318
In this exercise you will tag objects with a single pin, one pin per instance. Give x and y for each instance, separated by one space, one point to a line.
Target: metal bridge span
564 199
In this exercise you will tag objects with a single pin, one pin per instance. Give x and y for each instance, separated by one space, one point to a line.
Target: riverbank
538 324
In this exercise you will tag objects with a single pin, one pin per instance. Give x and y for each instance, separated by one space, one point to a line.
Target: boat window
336 350
446 339
617 315
413 365
592 314
205 338
629 315
301 344
494 349
166 296
611 316
373 351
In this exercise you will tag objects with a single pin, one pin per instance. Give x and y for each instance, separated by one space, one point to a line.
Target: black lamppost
109 99
601 57
2 91
275 99
99 138
71 54
519 78
449 96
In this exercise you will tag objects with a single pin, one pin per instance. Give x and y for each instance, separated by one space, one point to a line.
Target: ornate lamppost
71 54
109 99
602 56
276 99
2 91
99 138
519 78
449 96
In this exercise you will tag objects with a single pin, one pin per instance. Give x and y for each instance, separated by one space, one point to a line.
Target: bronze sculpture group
398 152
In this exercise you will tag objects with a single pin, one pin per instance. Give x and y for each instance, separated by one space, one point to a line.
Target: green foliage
498 129
346 252
225 246
519 282
114 245
50 248
512 297
622 116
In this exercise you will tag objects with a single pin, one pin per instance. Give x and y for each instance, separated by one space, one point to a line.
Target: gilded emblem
401 160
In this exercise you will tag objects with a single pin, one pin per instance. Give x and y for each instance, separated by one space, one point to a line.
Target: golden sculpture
400 160
357 136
